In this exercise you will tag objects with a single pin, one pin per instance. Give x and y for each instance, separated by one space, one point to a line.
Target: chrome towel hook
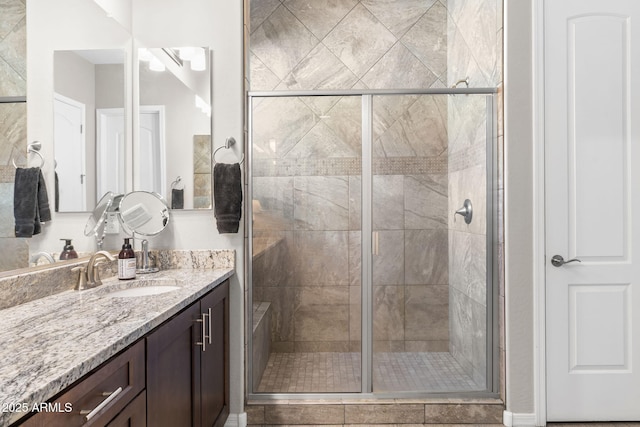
227 144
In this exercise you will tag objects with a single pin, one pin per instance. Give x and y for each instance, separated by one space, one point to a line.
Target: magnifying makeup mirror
146 214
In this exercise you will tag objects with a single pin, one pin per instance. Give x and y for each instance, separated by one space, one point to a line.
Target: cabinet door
173 371
133 415
215 358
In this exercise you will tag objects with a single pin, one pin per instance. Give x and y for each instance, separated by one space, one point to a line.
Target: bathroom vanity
153 351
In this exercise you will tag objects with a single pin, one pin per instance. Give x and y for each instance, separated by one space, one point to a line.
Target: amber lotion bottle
126 262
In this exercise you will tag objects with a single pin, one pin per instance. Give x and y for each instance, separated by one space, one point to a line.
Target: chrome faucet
146 265
35 257
89 276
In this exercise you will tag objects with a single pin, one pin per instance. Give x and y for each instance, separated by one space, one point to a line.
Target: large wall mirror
172 141
89 119
174 131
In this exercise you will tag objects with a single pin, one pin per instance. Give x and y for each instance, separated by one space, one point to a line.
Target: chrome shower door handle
558 261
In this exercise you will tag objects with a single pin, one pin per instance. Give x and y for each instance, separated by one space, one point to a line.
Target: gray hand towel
177 198
227 195
30 202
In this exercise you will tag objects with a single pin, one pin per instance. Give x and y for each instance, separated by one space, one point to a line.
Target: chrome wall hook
466 211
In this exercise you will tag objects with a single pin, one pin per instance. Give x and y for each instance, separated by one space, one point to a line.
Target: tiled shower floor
340 373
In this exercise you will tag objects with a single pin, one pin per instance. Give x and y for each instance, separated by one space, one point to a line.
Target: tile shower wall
306 170
474 50
13 125
350 44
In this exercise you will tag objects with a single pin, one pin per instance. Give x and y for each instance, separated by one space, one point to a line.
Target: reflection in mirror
89 141
104 215
143 213
175 125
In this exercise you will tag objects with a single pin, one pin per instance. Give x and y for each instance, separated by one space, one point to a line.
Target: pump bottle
126 262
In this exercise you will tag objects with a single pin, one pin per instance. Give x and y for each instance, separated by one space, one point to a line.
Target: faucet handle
82 277
96 281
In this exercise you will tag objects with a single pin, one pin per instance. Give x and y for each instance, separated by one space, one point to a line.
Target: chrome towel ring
227 144
34 147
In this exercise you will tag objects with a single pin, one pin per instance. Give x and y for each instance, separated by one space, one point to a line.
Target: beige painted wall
519 205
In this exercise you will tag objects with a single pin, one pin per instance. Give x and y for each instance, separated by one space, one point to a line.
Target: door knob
558 261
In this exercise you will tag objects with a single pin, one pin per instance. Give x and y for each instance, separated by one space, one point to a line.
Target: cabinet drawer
98 398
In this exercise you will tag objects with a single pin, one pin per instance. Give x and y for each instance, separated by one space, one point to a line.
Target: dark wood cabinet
187 376
214 406
187 365
96 399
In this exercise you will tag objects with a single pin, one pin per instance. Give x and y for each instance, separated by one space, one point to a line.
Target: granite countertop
51 342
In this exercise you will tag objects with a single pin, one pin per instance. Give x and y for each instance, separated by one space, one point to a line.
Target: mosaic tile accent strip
340 373
349 166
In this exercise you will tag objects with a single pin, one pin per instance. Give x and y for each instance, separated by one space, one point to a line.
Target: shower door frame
366 352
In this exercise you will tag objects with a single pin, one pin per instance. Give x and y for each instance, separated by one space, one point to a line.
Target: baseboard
236 420
510 419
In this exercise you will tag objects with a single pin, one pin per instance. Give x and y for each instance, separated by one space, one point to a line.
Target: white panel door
152 169
592 190
70 164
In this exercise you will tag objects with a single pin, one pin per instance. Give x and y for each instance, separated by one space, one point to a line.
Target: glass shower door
429 274
305 237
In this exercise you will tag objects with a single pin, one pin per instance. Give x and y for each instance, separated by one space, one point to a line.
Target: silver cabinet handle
110 396
204 322
558 261
209 336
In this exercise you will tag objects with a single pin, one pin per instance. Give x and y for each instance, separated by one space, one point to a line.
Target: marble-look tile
321 346
279 124
13 133
355 314
426 257
281 41
468 264
468 334
355 258
420 131
275 195
463 413
13 11
398 16
427 39
320 258
477 23
355 202
427 346
202 154
388 264
319 70
14 254
322 322
255 413
388 202
386 110
11 82
427 313
467 124
260 10
399 69
260 76
320 16
321 143
388 313
7 226
282 309
384 414
426 201
321 203
304 414
13 48
359 28
345 120
461 62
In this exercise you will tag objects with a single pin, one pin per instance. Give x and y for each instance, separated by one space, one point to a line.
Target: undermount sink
143 287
